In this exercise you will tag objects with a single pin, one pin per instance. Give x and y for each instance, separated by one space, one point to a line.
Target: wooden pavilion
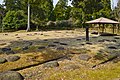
100 21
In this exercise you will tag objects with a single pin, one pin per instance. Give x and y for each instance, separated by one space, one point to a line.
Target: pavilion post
118 27
2 29
99 29
113 29
103 28
87 33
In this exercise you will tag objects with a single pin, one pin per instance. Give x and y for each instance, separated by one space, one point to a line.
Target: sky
55 2
1 1
114 2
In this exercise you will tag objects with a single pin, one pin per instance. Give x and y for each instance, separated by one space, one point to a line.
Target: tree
93 8
60 9
116 11
12 5
14 20
2 14
40 10
78 16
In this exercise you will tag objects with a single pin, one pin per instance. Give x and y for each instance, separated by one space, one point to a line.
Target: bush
77 23
14 20
51 24
64 24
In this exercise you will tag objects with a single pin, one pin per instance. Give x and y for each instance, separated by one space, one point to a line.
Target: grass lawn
31 59
109 71
28 59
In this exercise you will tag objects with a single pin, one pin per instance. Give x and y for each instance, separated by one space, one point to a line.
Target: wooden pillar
2 29
99 29
113 29
118 28
87 33
103 28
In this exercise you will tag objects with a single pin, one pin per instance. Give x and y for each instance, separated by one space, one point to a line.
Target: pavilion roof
102 20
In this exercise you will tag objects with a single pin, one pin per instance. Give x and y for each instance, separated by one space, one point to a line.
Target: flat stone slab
63 44
51 64
51 45
2 60
116 37
89 43
11 75
6 49
112 47
56 42
41 47
12 58
71 67
84 57
60 48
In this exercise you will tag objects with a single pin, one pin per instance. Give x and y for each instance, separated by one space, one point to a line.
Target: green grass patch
108 72
30 59
79 51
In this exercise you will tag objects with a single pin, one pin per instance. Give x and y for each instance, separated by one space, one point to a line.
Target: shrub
51 24
14 20
64 24
77 23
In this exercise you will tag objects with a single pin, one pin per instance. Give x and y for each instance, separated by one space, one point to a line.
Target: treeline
13 13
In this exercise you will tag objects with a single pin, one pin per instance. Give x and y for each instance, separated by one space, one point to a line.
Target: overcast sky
1 1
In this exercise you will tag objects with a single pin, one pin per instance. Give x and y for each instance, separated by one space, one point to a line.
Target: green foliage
40 10
64 23
12 4
43 11
77 23
116 12
62 11
2 13
14 20
100 56
92 9
51 24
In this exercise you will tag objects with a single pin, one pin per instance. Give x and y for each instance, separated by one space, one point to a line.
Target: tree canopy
42 11
116 11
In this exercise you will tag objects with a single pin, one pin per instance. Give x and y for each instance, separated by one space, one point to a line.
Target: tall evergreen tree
2 14
60 9
116 11
12 4
93 8
40 10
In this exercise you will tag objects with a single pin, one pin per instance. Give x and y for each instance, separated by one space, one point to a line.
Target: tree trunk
28 27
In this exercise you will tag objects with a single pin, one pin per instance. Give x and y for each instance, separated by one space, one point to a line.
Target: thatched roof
102 20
